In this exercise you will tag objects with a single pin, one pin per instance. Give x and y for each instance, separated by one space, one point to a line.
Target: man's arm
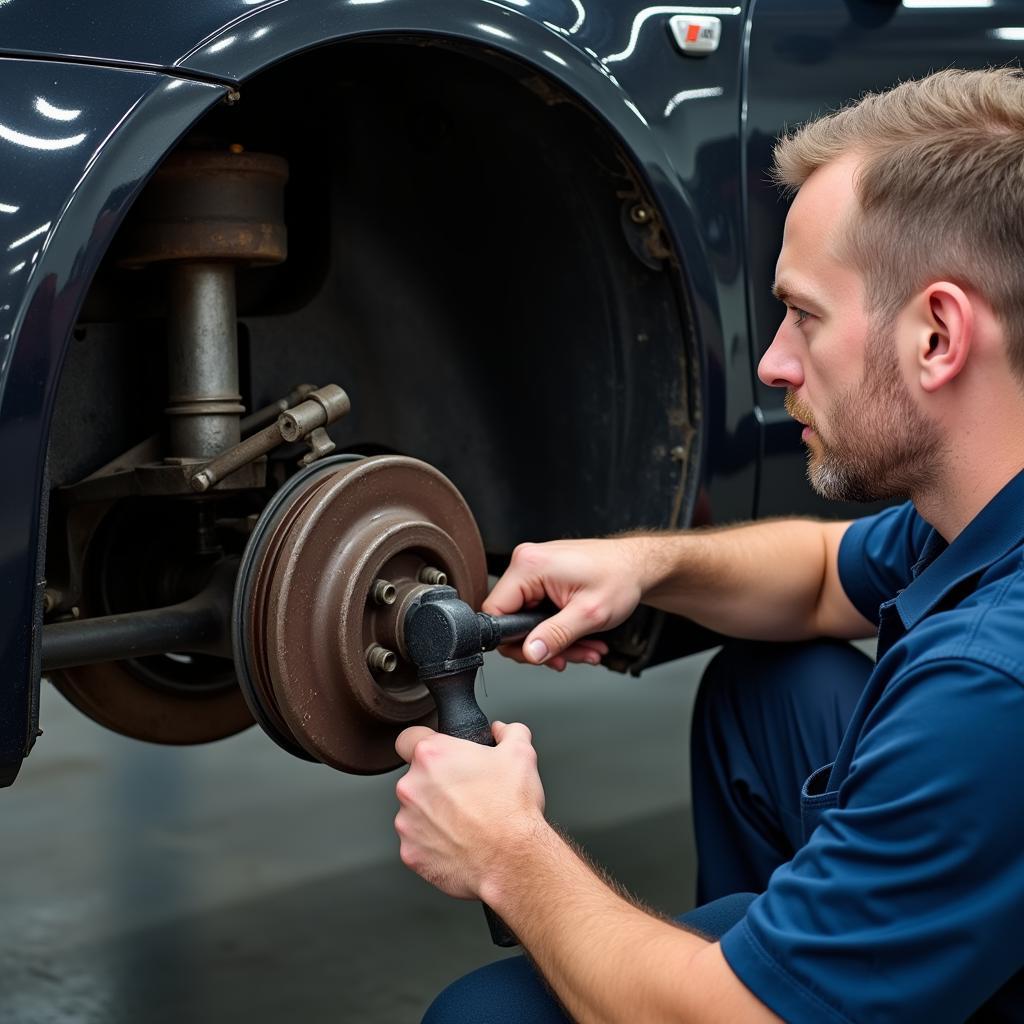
472 823
776 580
605 959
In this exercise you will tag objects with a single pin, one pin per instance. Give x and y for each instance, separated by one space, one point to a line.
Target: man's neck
965 486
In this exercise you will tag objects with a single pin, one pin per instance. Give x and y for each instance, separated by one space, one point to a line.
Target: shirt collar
994 531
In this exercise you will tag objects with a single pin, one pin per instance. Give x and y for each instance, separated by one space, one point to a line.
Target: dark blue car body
567 382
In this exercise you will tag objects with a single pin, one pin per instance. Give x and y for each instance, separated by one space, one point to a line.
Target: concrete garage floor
232 882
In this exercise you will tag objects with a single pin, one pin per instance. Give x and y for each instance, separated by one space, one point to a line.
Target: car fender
67 182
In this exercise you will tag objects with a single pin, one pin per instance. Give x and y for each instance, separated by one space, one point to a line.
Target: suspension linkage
305 421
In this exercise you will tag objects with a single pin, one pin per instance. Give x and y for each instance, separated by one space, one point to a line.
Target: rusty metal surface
158 479
135 555
322 406
204 405
269 413
136 472
113 696
200 624
306 615
210 205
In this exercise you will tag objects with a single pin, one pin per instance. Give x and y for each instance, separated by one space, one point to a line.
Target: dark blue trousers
766 716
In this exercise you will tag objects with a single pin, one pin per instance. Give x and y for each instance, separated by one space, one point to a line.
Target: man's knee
746 676
506 992
766 716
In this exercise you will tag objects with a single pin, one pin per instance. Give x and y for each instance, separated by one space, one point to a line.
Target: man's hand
463 805
596 583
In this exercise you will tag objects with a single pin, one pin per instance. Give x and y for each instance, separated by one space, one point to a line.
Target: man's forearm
606 960
774 580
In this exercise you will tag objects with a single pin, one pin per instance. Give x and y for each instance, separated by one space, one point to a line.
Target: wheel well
473 257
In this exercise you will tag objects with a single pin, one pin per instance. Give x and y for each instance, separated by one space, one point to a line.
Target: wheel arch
277 37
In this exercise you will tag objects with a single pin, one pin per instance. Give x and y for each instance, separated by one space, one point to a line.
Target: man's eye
801 314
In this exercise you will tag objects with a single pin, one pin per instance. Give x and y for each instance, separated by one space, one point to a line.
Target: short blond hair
940 188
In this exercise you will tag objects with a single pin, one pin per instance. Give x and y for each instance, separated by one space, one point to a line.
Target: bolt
201 481
639 214
435 577
380 659
678 453
384 592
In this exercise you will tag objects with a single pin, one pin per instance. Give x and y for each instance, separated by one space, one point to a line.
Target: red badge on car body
696 35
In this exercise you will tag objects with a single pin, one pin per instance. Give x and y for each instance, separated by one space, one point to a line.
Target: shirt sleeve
877 554
905 903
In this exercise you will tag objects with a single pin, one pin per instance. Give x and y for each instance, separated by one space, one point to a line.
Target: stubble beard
879 446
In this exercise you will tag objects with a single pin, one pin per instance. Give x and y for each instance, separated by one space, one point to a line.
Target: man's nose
780 367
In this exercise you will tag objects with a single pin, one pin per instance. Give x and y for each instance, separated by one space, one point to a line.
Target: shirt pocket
816 798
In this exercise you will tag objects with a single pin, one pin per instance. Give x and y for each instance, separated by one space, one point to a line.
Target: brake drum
310 606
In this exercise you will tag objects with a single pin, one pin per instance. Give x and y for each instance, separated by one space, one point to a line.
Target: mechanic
890 884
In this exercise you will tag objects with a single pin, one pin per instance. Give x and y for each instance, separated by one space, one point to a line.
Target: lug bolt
380 659
435 577
639 214
384 592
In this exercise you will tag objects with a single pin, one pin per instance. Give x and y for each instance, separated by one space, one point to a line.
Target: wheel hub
306 617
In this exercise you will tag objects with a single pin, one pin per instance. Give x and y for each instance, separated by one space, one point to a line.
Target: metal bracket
320 444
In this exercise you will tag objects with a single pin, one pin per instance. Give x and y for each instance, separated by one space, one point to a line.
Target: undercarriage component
204 214
265 416
210 205
306 420
145 554
204 405
136 473
199 625
311 635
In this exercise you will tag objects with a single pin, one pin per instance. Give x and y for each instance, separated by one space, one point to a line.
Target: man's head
905 245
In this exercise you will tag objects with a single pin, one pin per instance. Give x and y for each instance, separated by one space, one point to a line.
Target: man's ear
945 332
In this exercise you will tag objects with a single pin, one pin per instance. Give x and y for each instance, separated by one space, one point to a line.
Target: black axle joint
445 639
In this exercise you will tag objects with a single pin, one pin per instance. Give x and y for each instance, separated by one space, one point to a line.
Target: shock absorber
206 213
204 406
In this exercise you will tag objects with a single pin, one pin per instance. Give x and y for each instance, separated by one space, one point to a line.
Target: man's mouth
799 412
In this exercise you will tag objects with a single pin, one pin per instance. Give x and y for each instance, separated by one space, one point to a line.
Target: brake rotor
306 616
177 699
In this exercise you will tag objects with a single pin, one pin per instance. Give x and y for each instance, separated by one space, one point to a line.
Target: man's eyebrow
791 296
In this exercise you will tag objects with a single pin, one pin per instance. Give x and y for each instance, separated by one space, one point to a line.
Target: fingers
582 655
587 651
408 739
521 584
557 635
505 732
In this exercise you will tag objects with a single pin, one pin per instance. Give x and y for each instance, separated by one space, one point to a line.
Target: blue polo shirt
906 902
